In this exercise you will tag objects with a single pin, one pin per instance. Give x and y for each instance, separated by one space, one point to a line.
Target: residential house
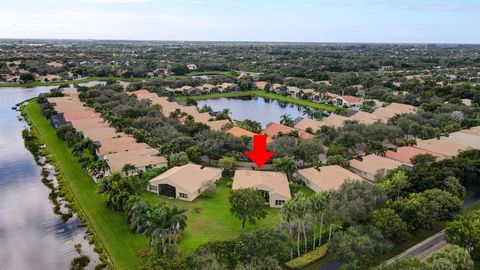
367 118
192 67
327 177
142 159
405 154
470 137
442 147
274 129
102 133
217 124
229 87
185 182
372 166
349 101
273 185
116 145
262 85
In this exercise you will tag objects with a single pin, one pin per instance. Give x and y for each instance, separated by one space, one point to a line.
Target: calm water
31 235
254 108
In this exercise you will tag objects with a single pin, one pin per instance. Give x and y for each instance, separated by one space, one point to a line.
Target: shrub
308 258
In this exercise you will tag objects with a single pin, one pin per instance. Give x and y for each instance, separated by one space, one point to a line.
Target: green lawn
260 93
213 221
111 227
210 219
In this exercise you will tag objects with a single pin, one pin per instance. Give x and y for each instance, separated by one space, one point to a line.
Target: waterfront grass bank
121 245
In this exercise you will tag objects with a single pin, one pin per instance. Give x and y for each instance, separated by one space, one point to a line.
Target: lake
254 108
31 235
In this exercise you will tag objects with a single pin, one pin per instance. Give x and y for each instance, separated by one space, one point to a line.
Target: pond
31 235
254 108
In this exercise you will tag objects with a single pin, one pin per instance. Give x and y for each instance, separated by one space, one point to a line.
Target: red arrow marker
259 155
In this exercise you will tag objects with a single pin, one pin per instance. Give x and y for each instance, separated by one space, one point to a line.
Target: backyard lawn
210 219
261 93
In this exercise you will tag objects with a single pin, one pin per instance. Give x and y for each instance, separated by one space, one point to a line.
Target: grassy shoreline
208 219
260 93
121 245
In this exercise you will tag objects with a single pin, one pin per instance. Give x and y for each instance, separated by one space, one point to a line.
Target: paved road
433 243
422 249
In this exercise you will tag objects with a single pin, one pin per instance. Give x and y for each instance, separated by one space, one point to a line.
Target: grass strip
122 246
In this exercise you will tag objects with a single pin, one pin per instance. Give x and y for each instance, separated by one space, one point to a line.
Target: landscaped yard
210 219
260 93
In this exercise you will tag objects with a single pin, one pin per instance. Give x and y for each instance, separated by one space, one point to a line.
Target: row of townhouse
117 148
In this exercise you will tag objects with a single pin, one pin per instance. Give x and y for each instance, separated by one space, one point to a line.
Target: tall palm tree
156 220
301 207
176 221
137 213
287 212
319 204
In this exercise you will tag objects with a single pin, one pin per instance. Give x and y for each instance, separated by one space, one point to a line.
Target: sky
384 21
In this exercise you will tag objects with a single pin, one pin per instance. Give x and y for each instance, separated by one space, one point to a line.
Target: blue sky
409 21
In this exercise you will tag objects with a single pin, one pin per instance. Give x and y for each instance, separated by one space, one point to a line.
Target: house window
279 202
183 195
153 187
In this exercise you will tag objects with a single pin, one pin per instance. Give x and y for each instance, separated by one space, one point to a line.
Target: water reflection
31 235
260 109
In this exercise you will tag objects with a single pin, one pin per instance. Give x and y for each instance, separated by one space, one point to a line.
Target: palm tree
286 120
301 207
285 164
287 212
156 220
319 204
129 169
176 221
400 181
137 213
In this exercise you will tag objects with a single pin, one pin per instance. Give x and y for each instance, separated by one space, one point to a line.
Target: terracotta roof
217 125
445 148
327 177
261 84
367 118
80 125
372 164
401 108
239 132
81 115
405 153
273 182
309 123
139 158
103 133
274 129
138 92
122 144
350 99
190 177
